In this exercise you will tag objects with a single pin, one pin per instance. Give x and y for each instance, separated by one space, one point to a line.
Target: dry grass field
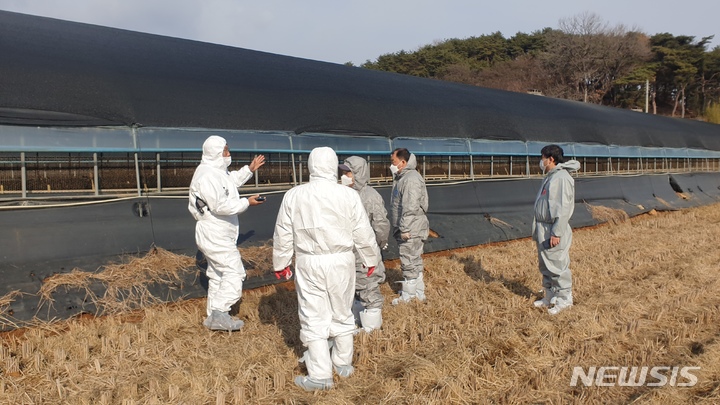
646 294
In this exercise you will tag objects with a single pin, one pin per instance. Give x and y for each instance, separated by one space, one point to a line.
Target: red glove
370 271
285 273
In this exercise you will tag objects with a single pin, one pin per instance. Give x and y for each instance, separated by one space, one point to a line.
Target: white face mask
346 181
394 169
227 160
542 165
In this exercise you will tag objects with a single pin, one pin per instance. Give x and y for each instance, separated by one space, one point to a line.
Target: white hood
323 164
213 152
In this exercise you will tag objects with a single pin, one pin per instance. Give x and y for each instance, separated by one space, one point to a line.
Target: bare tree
586 55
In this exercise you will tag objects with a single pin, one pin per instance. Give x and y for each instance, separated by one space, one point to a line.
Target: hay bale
607 214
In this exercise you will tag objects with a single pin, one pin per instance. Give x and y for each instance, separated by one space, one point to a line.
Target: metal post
300 169
159 182
23 174
424 167
527 166
256 178
292 161
472 169
369 168
449 167
492 165
610 168
597 165
511 165
96 174
137 161
137 174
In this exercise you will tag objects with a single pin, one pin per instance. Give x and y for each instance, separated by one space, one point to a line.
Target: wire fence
42 173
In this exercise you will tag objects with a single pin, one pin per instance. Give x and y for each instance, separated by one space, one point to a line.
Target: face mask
346 181
394 169
227 160
542 165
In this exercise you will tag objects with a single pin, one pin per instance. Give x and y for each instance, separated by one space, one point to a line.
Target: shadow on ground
474 269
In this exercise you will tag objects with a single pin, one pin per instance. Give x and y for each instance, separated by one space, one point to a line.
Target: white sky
342 31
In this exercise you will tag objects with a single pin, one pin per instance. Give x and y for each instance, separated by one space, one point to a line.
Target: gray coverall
408 206
367 289
554 205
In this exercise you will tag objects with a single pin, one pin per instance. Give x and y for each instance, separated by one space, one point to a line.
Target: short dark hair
402 153
554 152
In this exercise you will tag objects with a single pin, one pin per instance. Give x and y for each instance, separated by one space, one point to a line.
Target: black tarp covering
55 72
39 242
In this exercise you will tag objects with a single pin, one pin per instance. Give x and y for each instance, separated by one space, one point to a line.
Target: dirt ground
646 294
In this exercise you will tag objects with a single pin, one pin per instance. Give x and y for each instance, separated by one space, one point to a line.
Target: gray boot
420 288
562 302
311 384
546 300
408 292
319 367
341 355
222 321
371 319
357 308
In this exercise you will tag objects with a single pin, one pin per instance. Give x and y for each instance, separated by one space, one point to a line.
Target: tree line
584 59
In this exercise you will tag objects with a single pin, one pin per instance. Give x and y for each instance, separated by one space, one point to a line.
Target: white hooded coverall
322 221
216 230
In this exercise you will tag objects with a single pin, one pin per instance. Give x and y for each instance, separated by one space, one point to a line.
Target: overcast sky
355 31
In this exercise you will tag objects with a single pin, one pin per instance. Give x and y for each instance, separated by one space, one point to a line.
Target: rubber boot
420 288
357 308
222 321
408 292
318 364
562 302
371 319
342 353
311 384
546 300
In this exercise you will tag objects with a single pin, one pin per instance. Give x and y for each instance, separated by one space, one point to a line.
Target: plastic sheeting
40 242
66 73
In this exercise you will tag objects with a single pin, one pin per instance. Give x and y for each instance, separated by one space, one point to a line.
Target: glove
405 236
285 273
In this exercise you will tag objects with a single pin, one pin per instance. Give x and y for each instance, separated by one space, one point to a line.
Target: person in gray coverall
368 299
408 206
554 205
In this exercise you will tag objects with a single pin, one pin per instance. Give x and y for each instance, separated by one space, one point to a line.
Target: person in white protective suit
322 222
215 204
368 304
408 208
554 205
